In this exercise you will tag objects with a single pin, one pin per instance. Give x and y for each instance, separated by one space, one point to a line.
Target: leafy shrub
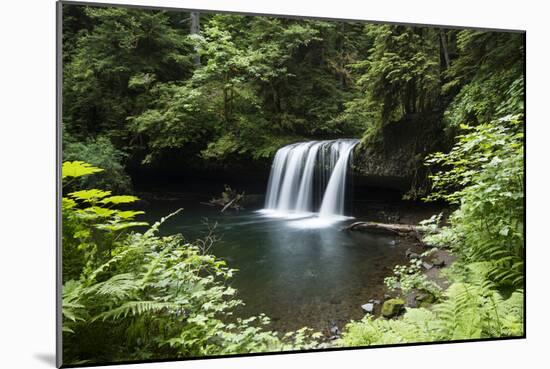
489 73
469 311
136 296
102 153
410 277
484 174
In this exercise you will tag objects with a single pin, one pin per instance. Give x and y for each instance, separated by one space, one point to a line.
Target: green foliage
242 101
77 169
157 297
489 74
87 214
138 86
485 176
407 278
261 82
99 152
469 311
244 86
400 76
110 67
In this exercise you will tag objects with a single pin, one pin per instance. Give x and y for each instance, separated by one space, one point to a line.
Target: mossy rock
425 299
392 307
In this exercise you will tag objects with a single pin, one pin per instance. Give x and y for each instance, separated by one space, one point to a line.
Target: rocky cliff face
396 159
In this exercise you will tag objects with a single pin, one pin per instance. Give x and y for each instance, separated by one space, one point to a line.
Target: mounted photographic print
235 184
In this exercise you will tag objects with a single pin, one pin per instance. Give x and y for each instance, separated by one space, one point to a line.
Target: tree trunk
341 76
444 49
195 29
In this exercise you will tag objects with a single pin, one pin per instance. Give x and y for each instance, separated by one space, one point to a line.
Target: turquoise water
297 276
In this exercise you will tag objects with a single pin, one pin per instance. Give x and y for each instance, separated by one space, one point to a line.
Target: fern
135 308
469 311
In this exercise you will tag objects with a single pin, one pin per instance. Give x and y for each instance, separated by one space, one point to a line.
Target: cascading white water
333 201
277 171
292 177
304 203
301 170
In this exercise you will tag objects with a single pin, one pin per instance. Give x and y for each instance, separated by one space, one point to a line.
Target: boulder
392 307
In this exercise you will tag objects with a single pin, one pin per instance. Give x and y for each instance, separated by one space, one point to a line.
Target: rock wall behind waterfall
395 159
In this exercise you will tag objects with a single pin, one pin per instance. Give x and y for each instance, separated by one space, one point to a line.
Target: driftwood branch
238 197
229 199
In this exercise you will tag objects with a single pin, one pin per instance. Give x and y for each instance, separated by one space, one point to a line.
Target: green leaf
78 169
89 195
121 199
129 214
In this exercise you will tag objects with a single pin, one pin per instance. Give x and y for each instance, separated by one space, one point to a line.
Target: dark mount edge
59 185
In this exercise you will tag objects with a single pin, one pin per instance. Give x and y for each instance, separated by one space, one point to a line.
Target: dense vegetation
146 88
485 177
139 296
244 86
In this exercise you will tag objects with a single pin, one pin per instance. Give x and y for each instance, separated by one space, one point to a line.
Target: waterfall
304 203
310 177
333 201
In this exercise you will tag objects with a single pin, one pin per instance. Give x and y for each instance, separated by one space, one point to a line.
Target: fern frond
135 308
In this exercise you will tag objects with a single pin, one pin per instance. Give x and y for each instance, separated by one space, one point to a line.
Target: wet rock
411 255
368 307
439 263
392 307
411 299
376 166
334 330
427 265
375 302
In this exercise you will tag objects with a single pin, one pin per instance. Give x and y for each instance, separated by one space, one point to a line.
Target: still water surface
297 276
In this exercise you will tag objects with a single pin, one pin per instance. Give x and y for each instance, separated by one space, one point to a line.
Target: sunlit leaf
78 169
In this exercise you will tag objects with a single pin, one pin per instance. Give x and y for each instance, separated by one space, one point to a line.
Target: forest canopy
220 89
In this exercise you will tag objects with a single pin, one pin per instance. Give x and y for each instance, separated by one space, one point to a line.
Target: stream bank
394 302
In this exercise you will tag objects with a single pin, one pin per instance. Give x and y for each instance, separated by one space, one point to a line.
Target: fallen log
402 230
